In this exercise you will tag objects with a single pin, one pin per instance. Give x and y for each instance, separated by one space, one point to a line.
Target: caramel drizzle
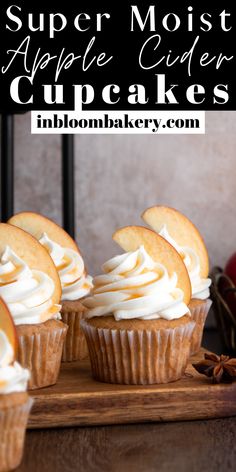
11 276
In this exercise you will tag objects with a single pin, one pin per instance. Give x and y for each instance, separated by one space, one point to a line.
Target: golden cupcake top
179 231
63 250
149 281
130 238
29 283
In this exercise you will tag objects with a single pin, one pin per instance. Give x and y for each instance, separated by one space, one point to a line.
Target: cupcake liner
13 421
41 353
75 346
199 313
138 357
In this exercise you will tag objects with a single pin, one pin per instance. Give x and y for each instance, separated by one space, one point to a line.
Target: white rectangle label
117 122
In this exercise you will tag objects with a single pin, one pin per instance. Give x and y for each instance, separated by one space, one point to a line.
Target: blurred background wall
117 177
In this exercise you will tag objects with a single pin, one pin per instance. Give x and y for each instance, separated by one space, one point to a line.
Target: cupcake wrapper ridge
41 353
198 314
138 357
13 421
75 346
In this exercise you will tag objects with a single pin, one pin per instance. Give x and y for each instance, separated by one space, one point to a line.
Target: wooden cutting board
78 400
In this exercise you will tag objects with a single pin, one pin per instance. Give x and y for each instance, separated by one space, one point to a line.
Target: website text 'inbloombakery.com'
118 122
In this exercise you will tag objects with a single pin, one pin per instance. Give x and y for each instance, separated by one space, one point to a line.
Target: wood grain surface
78 400
194 446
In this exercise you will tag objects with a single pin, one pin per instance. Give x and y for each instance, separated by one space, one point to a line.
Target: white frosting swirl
28 293
134 286
70 266
13 378
200 286
6 350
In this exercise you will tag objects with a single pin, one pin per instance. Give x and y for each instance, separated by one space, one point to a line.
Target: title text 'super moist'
15 403
30 286
75 282
186 239
138 326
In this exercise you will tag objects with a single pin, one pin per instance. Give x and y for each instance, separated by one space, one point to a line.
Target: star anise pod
219 368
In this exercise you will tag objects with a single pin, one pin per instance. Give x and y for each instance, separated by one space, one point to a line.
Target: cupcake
186 239
75 282
15 403
30 286
137 325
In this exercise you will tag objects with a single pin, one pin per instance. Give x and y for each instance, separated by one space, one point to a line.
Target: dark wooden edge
216 401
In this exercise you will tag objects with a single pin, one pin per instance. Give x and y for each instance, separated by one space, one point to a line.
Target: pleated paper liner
40 351
199 310
75 346
13 421
139 357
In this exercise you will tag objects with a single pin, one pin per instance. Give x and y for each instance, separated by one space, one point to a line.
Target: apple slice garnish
130 238
32 252
181 229
36 225
8 328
